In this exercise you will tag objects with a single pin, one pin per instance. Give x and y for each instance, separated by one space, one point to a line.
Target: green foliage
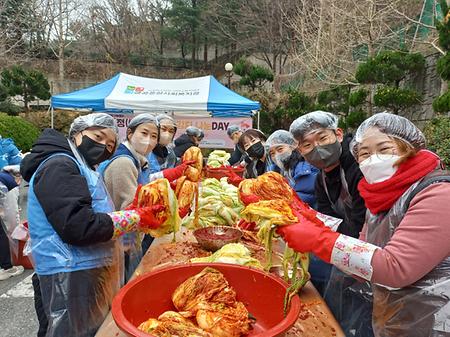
395 98
30 84
253 76
278 112
389 67
443 67
22 132
3 93
358 97
442 103
335 99
352 120
9 108
437 133
443 27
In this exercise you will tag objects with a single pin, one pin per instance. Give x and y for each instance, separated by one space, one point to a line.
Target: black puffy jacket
182 143
63 192
333 179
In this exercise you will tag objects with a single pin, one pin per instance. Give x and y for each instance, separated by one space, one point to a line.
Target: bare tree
257 27
331 36
56 19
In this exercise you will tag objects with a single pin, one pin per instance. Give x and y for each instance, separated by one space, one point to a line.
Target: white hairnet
165 117
101 120
195 132
141 119
281 137
232 129
391 125
313 121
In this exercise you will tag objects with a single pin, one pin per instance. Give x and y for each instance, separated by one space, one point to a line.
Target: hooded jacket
63 192
9 153
333 180
182 143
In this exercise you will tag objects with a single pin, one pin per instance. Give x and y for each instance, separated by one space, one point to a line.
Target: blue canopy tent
200 96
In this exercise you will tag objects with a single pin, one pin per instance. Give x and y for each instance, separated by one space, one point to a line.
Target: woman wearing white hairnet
73 226
163 156
128 168
404 246
300 174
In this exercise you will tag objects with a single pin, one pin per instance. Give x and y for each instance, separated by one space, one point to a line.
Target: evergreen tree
29 84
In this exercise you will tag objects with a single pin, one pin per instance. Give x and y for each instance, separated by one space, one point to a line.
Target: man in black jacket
324 146
192 137
234 132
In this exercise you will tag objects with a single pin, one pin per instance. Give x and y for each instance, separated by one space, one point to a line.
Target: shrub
443 67
437 132
389 67
22 132
9 108
442 103
357 97
395 98
352 120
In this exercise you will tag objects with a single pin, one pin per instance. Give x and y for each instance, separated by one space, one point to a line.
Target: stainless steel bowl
215 237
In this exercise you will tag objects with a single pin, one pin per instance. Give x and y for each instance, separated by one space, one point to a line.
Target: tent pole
258 120
52 117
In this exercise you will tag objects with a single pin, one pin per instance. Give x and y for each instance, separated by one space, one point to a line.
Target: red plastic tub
221 172
150 295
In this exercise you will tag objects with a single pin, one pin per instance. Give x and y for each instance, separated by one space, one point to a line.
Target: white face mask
142 146
165 138
378 168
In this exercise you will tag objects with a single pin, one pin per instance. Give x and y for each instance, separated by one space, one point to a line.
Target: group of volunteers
86 229
384 272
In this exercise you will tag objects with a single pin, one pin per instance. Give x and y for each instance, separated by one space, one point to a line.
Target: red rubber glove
183 211
249 226
172 174
148 218
233 178
134 204
307 236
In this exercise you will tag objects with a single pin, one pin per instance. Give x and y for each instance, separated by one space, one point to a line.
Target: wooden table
315 318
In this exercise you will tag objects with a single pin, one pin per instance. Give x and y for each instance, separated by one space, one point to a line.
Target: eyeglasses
383 153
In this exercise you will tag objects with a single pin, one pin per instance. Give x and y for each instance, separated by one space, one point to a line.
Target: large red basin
150 295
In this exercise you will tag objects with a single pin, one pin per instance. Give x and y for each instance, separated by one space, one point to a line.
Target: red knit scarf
381 196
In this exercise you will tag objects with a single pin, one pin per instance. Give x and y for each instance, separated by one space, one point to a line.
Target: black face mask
324 156
94 153
256 151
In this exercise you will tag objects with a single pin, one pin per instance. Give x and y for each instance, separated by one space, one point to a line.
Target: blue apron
131 242
50 254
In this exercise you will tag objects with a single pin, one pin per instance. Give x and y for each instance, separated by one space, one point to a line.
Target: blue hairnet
391 125
101 120
313 121
281 137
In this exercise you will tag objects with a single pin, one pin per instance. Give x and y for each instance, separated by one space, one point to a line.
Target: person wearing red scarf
404 247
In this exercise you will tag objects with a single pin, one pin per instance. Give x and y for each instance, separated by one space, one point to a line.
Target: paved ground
17 315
